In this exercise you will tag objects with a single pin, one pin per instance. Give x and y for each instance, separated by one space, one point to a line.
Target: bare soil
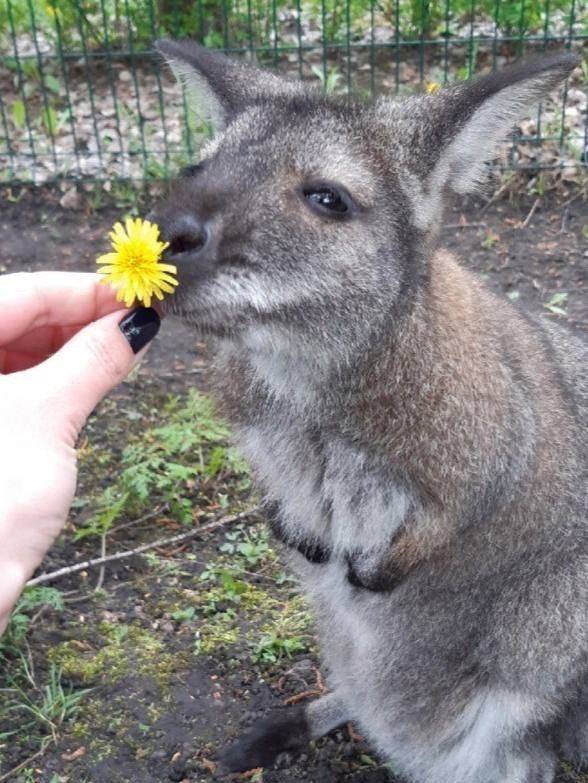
161 706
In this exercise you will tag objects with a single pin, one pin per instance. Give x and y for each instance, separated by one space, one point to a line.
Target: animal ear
220 87
468 121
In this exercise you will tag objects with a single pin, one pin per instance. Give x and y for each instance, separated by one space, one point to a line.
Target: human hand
64 344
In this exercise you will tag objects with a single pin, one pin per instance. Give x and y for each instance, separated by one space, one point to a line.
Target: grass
46 706
166 458
34 703
172 466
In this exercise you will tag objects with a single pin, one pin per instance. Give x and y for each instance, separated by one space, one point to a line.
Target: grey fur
422 435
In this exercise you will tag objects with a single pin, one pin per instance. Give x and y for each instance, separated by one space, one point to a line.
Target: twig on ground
573 198
464 225
318 690
100 581
98 561
302 696
26 762
258 771
527 220
37 616
505 185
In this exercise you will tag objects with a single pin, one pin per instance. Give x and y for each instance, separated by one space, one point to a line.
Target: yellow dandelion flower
432 87
134 268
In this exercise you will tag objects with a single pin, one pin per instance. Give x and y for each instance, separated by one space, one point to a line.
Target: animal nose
185 234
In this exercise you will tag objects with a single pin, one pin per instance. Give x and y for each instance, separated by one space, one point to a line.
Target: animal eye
327 200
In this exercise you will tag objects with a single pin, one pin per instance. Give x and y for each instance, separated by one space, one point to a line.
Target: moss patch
125 648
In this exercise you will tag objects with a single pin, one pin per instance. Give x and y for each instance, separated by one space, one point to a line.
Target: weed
251 545
329 79
490 239
272 647
33 598
184 615
538 185
555 303
168 465
289 633
49 706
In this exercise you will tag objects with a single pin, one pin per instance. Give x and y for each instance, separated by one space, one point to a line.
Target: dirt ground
177 662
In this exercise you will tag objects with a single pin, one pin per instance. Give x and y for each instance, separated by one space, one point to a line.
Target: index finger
29 300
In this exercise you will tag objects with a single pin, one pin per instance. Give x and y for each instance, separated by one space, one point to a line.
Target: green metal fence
83 95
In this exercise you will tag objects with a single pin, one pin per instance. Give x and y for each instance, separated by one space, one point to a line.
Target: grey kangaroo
420 441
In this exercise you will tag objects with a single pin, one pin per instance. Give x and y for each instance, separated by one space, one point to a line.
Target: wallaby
421 442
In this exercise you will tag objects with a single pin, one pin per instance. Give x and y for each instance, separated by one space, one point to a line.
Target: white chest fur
327 488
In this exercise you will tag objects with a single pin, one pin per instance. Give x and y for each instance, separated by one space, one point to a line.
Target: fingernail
140 327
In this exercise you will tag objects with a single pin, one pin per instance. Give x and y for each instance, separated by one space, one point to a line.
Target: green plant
48 706
329 79
538 185
273 647
554 305
251 545
165 464
31 600
184 615
490 239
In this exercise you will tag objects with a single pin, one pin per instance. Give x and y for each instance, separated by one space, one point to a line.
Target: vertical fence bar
299 37
446 35
9 150
225 26
423 19
49 111
112 86
21 89
140 118
521 37
89 80
495 36
65 77
397 41
544 47
275 32
324 40
348 43
250 25
564 101
471 40
372 50
154 34
176 34
200 13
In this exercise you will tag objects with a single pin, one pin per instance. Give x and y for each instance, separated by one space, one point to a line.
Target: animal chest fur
327 489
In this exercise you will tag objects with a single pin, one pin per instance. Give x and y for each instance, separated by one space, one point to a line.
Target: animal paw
283 731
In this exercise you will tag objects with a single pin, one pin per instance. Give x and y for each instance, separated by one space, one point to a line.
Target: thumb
94 361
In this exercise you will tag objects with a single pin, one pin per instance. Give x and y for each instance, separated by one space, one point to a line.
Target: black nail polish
140 327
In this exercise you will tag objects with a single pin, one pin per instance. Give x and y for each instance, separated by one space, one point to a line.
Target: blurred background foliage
83 94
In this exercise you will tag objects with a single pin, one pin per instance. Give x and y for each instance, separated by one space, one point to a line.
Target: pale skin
61 352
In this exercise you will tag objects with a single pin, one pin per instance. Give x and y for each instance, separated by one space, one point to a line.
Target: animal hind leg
533 763
284 730
495 739
572 731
